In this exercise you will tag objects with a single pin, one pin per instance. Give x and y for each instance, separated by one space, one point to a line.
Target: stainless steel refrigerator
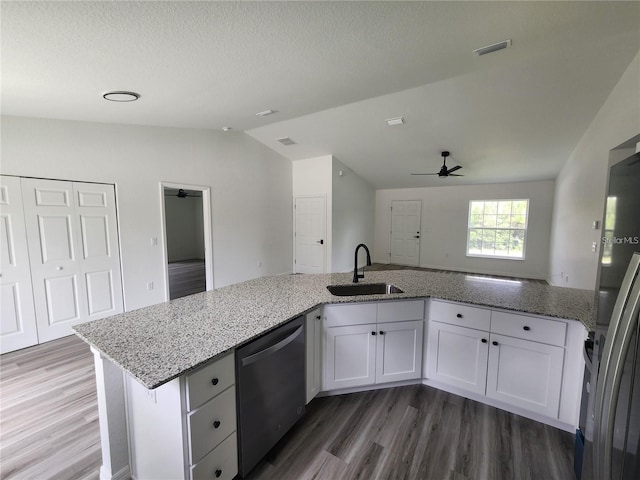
612 430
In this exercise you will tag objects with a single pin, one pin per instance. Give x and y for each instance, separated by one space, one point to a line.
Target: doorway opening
187 239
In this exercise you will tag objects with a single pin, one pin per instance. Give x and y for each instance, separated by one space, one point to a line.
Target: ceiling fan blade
453 169
424 174
455 175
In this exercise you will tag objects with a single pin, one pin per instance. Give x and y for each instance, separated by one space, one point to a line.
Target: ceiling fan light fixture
121 96
494 47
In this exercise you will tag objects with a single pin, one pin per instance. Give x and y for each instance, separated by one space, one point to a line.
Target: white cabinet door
526 374
74 254
399 351
313 332
17 315
350 356
457 356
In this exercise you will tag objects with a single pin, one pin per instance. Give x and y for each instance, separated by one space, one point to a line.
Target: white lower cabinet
526 374
350 356
313 339
515 360
458 356
371 351
186 428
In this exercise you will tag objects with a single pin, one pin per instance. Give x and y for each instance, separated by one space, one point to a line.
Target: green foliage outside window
497 228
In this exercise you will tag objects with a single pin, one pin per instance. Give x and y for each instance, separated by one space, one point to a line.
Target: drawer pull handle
494 342
459 315
215 381
216 424
484 340
526 328
218 473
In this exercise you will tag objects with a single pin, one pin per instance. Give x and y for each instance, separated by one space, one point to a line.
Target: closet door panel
54 247
100 263
17 315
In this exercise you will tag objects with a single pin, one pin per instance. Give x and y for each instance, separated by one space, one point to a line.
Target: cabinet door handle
318 317
381 332
484 340
526 328
216 424
459 315
218 473
494 342
373 333
215 381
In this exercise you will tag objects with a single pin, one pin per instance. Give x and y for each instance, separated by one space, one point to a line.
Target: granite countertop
159 343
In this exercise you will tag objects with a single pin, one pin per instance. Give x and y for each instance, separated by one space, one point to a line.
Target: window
497 228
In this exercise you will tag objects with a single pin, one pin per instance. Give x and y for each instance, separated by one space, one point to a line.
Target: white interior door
310 235
17 314
406 216
75 259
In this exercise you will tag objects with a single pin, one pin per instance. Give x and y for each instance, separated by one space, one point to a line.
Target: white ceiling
334 71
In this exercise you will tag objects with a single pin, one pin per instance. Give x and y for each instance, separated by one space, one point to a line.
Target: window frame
524 230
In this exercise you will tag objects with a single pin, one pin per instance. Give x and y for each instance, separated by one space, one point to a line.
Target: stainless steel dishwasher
270 390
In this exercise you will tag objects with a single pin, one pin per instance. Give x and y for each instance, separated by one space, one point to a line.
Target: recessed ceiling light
394 121
493 47
121 96
286 141
266 112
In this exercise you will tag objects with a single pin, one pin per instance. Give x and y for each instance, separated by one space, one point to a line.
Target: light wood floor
49 430
49 413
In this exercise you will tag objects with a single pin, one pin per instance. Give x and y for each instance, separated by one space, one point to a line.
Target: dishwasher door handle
272 349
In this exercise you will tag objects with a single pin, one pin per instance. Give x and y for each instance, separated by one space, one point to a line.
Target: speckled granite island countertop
159 343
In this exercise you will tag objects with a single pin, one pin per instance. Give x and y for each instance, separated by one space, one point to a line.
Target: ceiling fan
444 171
182 193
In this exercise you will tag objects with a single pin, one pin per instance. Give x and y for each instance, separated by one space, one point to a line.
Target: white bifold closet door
74 255
17 313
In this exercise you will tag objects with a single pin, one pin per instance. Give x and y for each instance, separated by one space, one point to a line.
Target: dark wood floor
49 430
49 413
416 433
186 278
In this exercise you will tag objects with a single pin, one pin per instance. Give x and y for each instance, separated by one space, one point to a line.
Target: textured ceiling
334 71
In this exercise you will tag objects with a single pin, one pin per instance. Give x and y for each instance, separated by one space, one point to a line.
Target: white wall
251 190
353 217
445 213
312 176
581 184
185 235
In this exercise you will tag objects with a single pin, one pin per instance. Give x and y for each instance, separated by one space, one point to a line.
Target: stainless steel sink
363 289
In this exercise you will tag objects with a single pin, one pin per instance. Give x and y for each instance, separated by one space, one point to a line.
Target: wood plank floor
49 430
49 413
416 432
186 278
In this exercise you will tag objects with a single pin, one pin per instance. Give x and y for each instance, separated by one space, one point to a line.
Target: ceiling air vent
286 141
492 48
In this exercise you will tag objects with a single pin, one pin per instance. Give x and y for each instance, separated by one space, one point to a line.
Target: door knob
58 268
416 236
321 242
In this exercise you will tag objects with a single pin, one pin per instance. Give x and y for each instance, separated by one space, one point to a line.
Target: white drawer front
208 381
529 328
221 463
211 424
462 315
400 311
344 315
